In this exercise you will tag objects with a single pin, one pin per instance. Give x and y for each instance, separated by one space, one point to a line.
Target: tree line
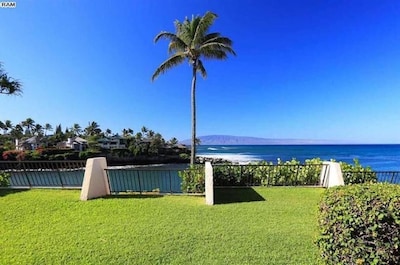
145 141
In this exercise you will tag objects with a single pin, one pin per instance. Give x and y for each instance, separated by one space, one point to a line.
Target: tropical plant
47 128
4 179
9 85
76 129
3 127
93 129
28 124
108 132
37 129
192 41
17 131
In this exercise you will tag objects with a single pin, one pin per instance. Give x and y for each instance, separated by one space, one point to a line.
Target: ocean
378 157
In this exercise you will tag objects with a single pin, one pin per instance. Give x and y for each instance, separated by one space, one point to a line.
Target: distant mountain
246 140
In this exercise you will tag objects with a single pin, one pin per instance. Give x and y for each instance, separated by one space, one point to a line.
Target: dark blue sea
378 157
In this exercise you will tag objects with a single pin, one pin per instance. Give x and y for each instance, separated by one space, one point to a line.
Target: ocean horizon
380 157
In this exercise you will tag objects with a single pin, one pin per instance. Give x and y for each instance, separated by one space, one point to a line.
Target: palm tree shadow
236 195
7 191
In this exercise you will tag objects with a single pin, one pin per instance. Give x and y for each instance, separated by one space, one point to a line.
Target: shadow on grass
235 195
8 191
134 196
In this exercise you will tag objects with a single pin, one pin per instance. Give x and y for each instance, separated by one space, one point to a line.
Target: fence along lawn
277 226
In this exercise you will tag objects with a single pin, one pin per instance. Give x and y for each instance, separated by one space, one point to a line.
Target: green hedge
193 179
356 173
286 173
360 224
4 179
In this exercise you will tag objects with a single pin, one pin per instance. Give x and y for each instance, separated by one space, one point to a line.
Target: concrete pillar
209 183
95 181
331 175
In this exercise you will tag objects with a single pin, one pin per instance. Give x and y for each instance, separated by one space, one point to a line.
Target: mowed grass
276 226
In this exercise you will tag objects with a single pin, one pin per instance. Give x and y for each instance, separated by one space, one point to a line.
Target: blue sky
304 69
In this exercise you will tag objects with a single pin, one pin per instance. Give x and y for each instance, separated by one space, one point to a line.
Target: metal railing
144 180
380 176
57 174
388 176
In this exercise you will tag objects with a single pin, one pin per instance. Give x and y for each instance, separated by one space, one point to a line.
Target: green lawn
261 226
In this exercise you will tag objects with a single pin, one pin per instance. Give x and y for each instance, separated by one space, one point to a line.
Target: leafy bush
14 155
356 174
4 179
88 154
263 173
360 224
288 173
193 179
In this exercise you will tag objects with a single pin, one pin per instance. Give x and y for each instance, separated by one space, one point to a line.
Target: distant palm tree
192 42
29 124
47 127
93 129
37 129
107 133
76 129
144 130
16 131
127 132
9 85
3 127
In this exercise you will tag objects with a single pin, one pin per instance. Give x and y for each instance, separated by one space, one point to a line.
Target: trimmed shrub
360 224
88 154
4 179
193 179
288 173
357 174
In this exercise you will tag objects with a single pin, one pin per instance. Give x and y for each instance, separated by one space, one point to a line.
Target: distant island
247 140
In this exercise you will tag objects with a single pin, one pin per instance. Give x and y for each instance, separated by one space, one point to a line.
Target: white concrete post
95 181
331 175
209 183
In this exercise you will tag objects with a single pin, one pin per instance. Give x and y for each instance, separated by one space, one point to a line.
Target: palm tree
3 127
127 132
107 133
9 85
93 129
192 42
47 127
16 131
76 129
8 125
29 124
37 129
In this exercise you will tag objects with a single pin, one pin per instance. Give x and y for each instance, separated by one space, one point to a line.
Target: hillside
247 140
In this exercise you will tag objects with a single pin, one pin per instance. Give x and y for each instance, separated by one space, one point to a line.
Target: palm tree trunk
193 100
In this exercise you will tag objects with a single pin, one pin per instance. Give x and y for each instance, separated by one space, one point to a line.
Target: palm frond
210 36
9 86
219 39
186 31
168 64
165 35
215 54
176 46
209 48
201 69
203 26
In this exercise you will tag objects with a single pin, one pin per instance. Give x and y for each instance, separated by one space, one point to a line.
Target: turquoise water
378 157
